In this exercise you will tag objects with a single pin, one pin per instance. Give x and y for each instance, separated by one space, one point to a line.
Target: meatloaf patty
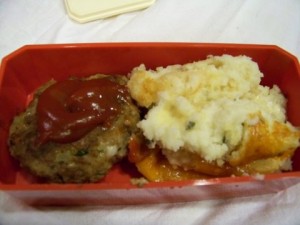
85 160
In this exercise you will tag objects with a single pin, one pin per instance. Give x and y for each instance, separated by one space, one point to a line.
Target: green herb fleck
190 125
224 140
81 152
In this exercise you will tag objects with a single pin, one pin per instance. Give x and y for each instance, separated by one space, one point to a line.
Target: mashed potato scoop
215 112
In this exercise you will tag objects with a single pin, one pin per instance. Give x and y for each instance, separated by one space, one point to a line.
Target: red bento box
30 66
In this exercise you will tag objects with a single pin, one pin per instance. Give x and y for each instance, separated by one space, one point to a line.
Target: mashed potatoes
216 110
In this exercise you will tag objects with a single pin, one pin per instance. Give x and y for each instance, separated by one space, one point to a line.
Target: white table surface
273 22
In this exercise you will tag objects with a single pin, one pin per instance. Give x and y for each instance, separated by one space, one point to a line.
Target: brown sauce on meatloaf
69 109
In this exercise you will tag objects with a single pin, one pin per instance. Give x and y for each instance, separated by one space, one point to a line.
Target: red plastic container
30 66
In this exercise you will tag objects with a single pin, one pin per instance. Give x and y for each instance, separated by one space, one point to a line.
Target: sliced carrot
137 149
155 167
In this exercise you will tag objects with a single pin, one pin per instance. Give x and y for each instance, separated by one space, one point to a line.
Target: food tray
30 66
